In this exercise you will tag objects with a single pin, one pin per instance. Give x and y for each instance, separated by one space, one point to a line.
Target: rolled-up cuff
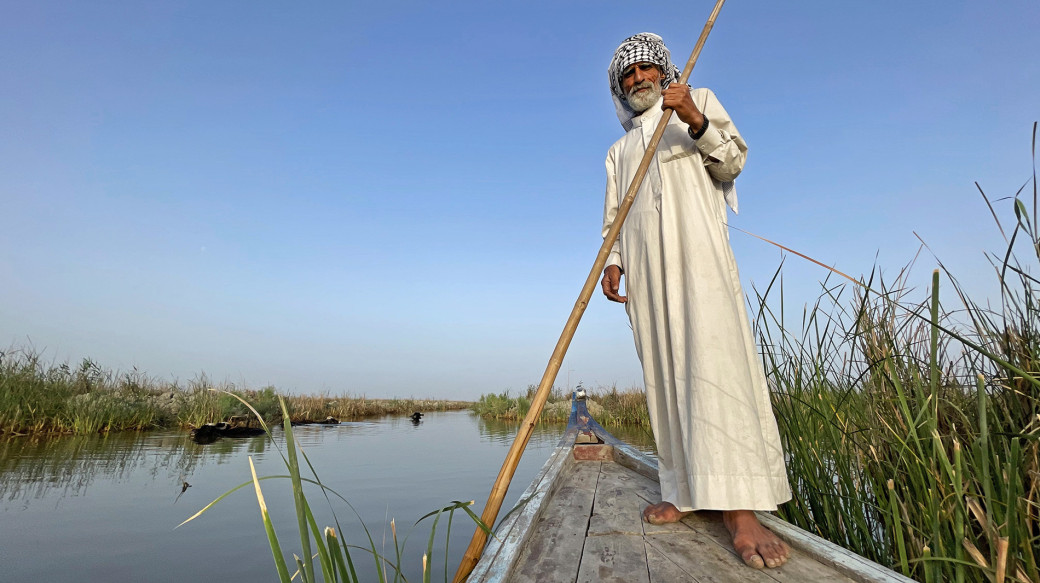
710 141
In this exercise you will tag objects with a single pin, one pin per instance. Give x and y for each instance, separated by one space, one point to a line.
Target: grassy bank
609 406
37 397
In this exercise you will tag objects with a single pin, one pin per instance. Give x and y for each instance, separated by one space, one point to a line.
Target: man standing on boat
717 439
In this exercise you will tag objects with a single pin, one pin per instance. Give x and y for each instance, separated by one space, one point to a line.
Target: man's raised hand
677 97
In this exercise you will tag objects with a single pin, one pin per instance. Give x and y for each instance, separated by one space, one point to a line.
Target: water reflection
41 467
498 431
505 432
57 467
111 502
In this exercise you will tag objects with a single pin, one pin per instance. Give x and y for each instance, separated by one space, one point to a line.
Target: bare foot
663 513
755 544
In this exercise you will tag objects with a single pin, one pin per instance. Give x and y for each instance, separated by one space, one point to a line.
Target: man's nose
639 76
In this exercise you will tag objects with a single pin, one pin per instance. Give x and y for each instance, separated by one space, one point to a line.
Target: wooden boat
580 520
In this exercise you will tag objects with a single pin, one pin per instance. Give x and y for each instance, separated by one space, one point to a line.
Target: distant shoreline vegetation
609 406
40 398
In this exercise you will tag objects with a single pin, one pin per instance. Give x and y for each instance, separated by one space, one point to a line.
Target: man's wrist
696 135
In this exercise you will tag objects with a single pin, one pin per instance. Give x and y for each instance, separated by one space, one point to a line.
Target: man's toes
662 513
753 559
751 556
774 554
650 513
658 517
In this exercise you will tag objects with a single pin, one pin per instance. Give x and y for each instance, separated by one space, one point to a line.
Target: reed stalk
913 429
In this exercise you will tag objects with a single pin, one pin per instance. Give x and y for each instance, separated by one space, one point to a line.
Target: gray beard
641 102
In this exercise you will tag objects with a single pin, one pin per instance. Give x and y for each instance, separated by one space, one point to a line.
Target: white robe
717 439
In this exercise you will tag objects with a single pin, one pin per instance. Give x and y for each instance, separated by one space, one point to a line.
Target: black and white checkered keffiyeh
645 47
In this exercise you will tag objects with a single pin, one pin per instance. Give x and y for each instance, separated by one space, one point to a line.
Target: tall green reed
36 397
911 428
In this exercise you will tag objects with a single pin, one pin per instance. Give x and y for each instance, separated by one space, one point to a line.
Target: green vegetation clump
321 406
40 398
902 448
36 398
608 405
626 407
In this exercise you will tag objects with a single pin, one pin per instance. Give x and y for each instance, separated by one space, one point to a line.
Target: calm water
104 508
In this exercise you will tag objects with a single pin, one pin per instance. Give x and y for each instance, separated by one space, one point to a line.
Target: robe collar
650 115
647 123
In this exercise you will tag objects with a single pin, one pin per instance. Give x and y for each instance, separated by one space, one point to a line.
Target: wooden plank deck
580 520
592 531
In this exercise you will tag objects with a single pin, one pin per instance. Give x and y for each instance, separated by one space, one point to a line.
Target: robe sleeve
610 207
723 150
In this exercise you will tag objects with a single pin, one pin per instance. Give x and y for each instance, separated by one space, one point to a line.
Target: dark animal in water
416 416
210 432
242 432
330 420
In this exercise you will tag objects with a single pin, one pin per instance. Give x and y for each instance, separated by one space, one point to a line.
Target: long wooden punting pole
505 475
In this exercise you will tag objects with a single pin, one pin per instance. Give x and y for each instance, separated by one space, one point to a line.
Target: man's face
641 83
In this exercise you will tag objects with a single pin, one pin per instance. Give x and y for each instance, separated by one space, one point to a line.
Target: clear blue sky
404 198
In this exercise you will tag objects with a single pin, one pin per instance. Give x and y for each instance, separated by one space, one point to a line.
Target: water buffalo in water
211 432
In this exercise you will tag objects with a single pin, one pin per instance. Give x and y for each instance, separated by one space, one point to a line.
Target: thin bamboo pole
505 475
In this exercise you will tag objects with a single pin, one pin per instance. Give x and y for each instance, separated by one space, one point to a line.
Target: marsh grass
504 406
609 406
39 397
321 406
627 407
911 427
895 454
324 553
